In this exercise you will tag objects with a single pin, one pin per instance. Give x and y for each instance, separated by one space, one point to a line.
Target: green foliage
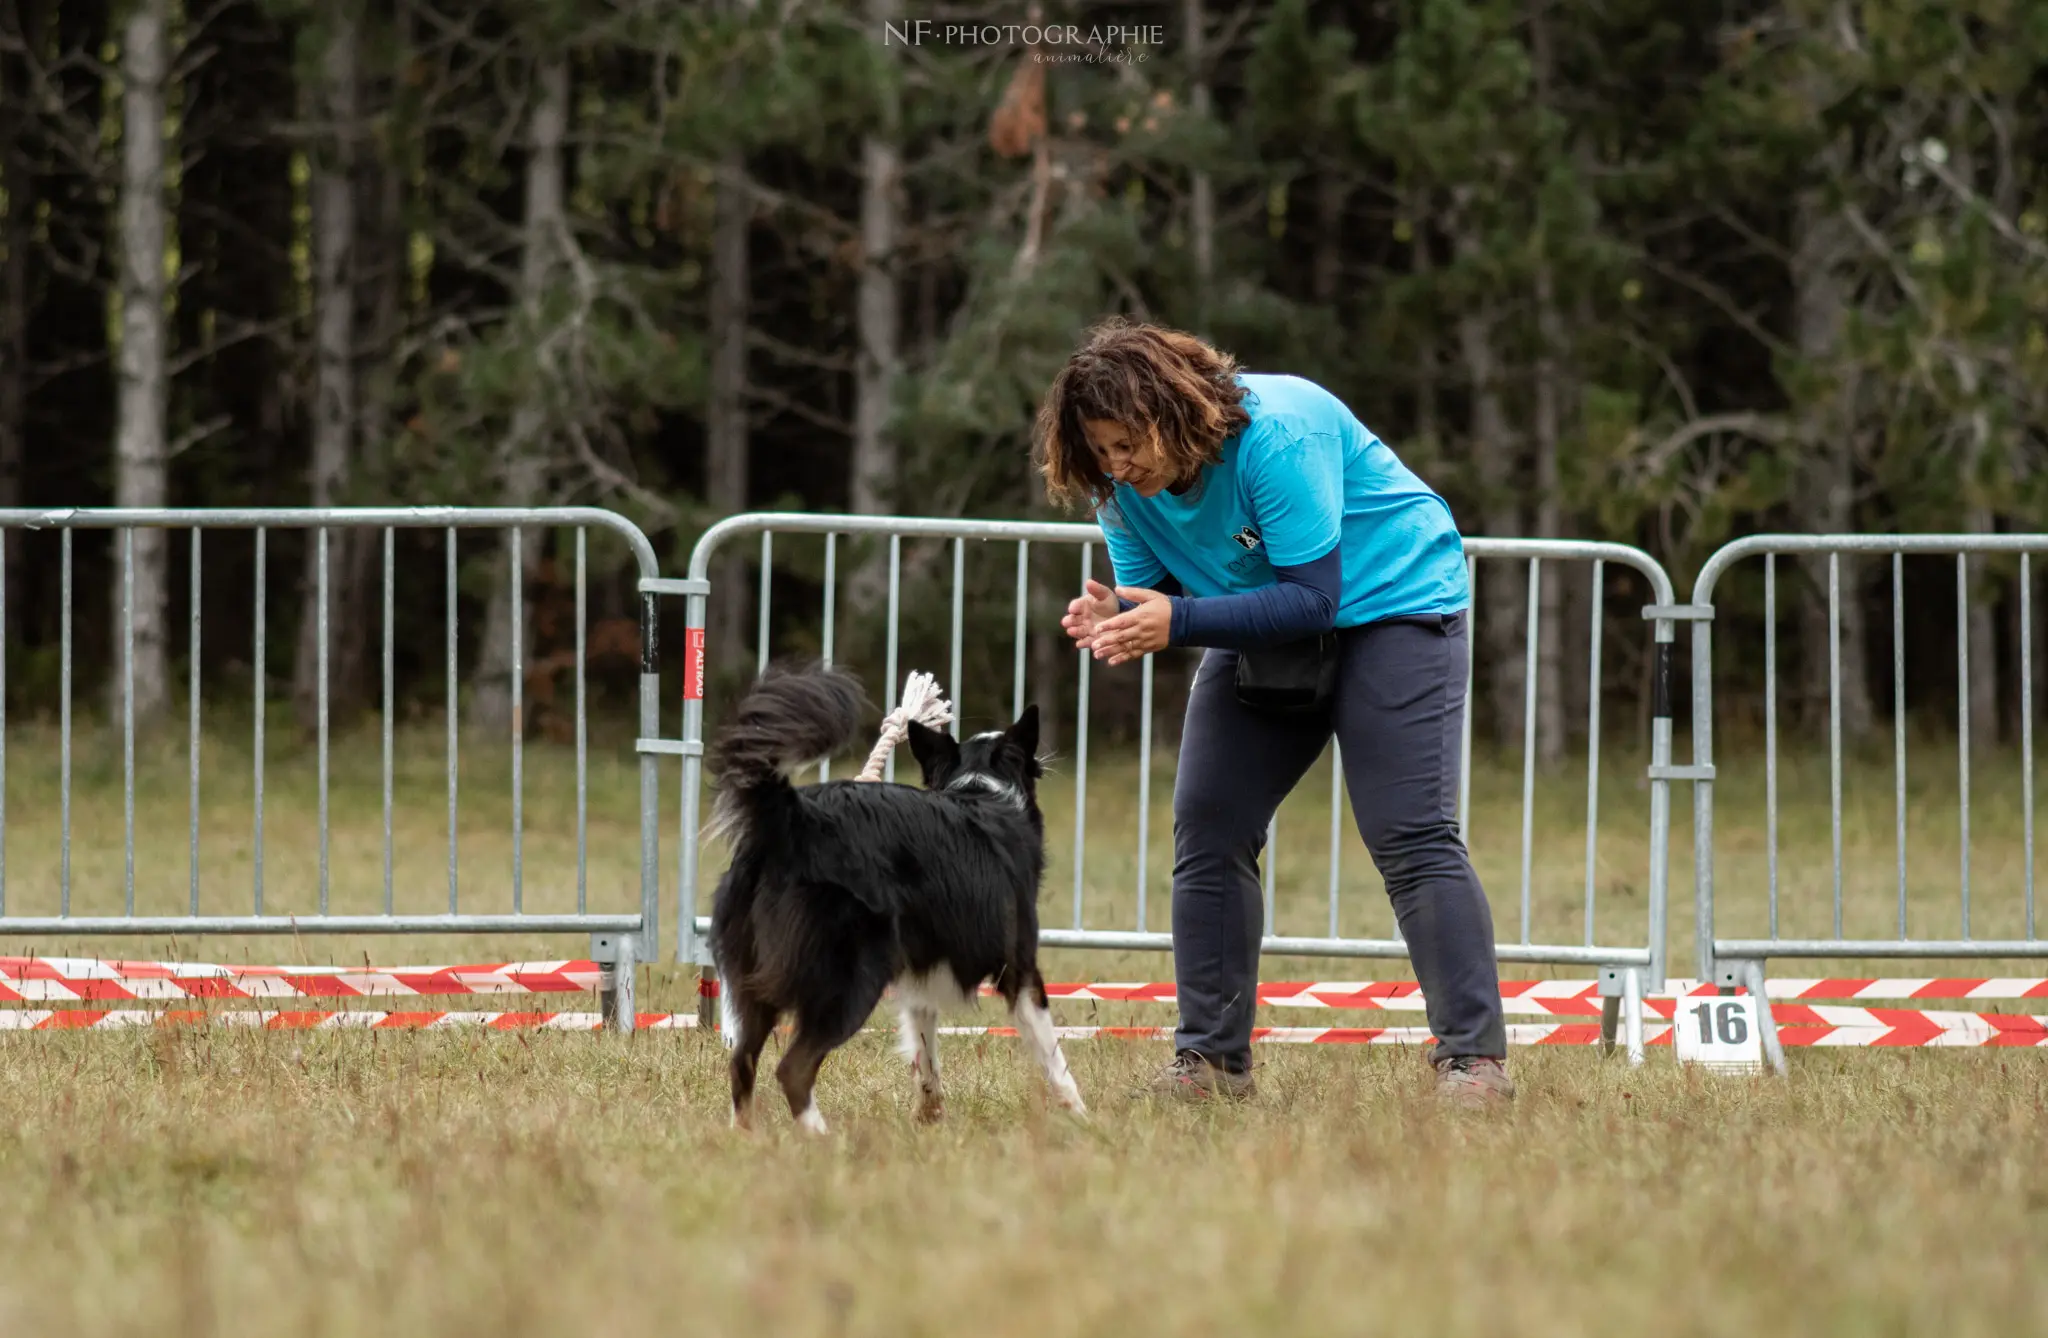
1725 246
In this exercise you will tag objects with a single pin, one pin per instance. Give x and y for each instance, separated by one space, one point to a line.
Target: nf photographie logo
1057 42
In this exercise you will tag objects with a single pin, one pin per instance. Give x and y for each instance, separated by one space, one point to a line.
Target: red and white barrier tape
1563 997
33 979
1890 1028
1908 987
77 979
112 1019
1786 1014
88 979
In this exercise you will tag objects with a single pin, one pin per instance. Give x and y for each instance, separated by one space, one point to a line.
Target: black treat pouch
1292 679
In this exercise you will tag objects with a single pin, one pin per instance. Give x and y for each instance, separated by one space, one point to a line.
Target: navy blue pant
1398 715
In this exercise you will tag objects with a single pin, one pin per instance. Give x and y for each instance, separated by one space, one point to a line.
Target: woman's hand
1140 631
1085 614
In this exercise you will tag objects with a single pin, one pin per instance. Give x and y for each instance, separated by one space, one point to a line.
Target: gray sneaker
1191 1077
1472 1082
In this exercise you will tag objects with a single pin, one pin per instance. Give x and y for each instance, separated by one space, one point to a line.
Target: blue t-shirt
1303 477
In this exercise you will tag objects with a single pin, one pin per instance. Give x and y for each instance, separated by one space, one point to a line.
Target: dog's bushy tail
789 717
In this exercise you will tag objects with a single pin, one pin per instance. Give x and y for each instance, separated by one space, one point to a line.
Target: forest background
1626 270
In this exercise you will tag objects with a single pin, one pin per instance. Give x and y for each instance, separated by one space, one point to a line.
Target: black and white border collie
837 891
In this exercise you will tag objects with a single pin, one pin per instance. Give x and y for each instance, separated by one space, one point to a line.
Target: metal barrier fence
1734 961
1629 965
617 938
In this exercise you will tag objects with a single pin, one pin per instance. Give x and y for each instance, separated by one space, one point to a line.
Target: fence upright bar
262 582
1593 742
3 722
64 732
128 718
582 723
1144 783
515 655
1771 734
895 634
2027 726
320 656
1835 724
1898 728
1702 792
1963 722
690 948
649 940
454 713
1530 666
1337 834
390 702
831 581
192 723
1465 729
1087 658
1023 604
1659 914
953 684
767 587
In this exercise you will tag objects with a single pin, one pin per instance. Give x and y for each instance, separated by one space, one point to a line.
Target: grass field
208 1181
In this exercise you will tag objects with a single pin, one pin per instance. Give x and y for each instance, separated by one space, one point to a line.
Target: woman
1255 516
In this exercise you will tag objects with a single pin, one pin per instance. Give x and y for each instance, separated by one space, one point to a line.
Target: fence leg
1632 1014
616 957
1751 975
707 999
1610 1022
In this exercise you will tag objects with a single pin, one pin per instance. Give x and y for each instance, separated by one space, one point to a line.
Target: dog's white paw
811 1122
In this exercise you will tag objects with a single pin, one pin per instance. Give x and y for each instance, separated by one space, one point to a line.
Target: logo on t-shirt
1246 538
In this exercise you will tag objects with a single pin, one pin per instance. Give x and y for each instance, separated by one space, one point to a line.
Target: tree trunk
17 235
1201 192
725 468
727 444
1550 668
381 264
1503 586
875 461
877 355
1824 494
141 457
336 425
1326 272
381 272
1427 429
1987 705
523 466
1553 402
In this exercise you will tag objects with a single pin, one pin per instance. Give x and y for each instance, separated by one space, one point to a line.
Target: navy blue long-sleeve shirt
1302 604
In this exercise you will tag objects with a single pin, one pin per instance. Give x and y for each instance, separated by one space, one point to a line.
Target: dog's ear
932 747
1024 734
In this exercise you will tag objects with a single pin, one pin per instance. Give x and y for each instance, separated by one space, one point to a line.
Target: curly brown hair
1143 376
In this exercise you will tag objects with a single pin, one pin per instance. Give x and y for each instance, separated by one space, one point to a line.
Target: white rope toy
923 702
